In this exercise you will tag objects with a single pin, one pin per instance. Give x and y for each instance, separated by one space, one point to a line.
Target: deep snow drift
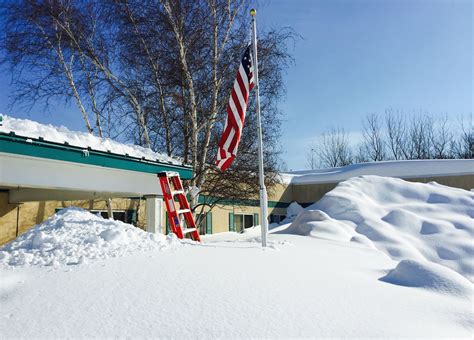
336 284
74 236
429 275
417 221
61 134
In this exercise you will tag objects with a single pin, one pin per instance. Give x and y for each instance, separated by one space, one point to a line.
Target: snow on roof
400 169
61 134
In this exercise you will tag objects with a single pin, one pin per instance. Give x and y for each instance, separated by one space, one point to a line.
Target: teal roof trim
11 143
251 203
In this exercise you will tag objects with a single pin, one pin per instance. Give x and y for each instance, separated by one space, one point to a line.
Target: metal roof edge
38 147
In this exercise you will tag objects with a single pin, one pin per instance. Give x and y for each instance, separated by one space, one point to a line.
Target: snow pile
429 275
28 128
417 221
293 209
74 236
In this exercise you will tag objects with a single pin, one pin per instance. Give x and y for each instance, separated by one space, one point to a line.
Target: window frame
243 215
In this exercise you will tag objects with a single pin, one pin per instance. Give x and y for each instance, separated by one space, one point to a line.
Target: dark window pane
119 215
248 221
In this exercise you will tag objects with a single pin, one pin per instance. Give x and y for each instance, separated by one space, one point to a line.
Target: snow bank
429 275
417 221
313 289
28 128
73 236
399 169
293 209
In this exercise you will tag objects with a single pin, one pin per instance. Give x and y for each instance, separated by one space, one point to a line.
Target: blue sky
360 57
355 58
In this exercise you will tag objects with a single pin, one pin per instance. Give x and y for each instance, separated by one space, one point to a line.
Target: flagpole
263 190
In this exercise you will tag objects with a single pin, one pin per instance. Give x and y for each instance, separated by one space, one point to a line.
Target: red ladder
166 179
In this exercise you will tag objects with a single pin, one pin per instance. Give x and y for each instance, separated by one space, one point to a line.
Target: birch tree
157 73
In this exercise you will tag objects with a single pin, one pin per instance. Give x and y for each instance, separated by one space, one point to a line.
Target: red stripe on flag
230 138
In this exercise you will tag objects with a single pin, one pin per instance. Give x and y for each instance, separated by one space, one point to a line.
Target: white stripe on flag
235 113
239 95
229 139
244 78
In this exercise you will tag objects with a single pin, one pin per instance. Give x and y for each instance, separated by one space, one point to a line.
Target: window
205 226
127 216
243 221
202 226
117 215
275 218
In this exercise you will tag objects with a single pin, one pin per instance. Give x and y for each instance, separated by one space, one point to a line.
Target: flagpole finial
253 12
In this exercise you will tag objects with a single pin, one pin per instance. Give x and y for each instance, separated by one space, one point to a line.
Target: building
44 168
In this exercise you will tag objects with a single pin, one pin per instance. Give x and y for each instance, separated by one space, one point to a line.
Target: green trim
167 223
253 203
255 219
231 222
209 223
10 143
132 216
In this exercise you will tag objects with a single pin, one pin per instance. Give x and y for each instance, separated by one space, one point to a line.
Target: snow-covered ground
352 265
61 134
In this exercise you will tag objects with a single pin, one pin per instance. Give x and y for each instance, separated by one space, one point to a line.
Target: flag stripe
235 100
235 113
236 107
244 78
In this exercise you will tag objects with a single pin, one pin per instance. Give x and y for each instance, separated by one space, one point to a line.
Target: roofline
410 170
38 147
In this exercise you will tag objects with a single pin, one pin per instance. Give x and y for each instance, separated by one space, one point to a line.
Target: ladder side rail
167 180
170 207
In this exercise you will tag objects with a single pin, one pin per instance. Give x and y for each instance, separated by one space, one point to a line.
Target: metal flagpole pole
263 190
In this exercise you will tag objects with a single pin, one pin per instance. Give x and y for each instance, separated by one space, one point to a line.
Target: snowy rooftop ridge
61 134
400 169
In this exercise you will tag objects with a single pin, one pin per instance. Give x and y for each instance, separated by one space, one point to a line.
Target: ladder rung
168 174
171 186
189 230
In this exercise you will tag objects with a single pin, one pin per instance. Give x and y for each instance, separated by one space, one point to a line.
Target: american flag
236 108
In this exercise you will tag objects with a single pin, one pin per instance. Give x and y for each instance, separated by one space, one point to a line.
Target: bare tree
73 31
441 138
311 156
200 45
35 42
374 144
334 149
420 135
397 136
156 73
360 154
423 136
463 147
